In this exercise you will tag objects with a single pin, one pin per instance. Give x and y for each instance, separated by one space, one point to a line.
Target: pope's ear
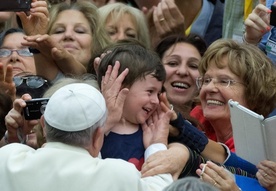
42 123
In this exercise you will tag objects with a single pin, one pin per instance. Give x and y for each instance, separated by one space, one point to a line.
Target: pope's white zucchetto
75 107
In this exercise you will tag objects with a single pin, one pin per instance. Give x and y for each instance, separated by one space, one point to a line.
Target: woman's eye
131 35
193 65
224 81
172 63
58 30
111 32
80 30
207 80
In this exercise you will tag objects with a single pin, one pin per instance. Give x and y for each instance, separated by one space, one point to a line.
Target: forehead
13 38
149 81
124 19
182 49
71 17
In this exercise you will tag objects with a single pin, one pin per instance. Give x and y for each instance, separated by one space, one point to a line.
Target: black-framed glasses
218 82
33 82
22 52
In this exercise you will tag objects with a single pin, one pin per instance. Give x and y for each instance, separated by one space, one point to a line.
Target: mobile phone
35 108
273 15
15 5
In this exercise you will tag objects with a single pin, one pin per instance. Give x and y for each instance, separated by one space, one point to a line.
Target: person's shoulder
16 147
15 150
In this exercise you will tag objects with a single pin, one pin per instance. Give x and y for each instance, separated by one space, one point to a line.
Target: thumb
22 16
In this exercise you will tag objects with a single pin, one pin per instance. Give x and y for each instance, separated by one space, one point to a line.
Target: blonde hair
251 65
117 11
89 10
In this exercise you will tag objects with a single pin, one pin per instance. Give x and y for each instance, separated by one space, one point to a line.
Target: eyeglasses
22 52
219 82
33 82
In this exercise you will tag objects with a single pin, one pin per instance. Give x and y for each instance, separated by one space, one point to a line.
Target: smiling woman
235 71
67 45
181 56
121 21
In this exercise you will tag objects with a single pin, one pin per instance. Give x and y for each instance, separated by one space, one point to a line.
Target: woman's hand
37 21
217 176
15 120
267 174
168 19
166 106
257 24
6 81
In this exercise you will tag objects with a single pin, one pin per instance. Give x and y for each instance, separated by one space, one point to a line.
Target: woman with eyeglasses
206 148
14 53
243 73
233 71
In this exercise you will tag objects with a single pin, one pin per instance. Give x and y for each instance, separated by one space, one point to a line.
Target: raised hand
6 81
257 24
217 176
15 121
37 21
114 94
168 19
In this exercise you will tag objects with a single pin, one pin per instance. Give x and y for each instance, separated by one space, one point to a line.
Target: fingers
9 75
39 7
216 176
168 18
2 73
266 173
14 118
259 19
157 163
111 80
152 169
166 106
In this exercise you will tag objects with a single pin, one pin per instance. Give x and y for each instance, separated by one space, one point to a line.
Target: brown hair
253 67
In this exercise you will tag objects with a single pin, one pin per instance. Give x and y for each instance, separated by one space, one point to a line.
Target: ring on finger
171 107
215 183
265 175
162 19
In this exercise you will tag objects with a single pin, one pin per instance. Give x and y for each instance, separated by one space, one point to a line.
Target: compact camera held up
35 108
15 5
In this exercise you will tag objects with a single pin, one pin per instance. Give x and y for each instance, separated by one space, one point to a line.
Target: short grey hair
78 138
190 184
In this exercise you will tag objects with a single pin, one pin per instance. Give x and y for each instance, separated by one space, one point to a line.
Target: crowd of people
137 94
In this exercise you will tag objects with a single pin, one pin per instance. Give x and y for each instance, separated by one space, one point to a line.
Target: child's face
142 100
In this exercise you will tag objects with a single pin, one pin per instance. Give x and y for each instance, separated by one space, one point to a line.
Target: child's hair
132 55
